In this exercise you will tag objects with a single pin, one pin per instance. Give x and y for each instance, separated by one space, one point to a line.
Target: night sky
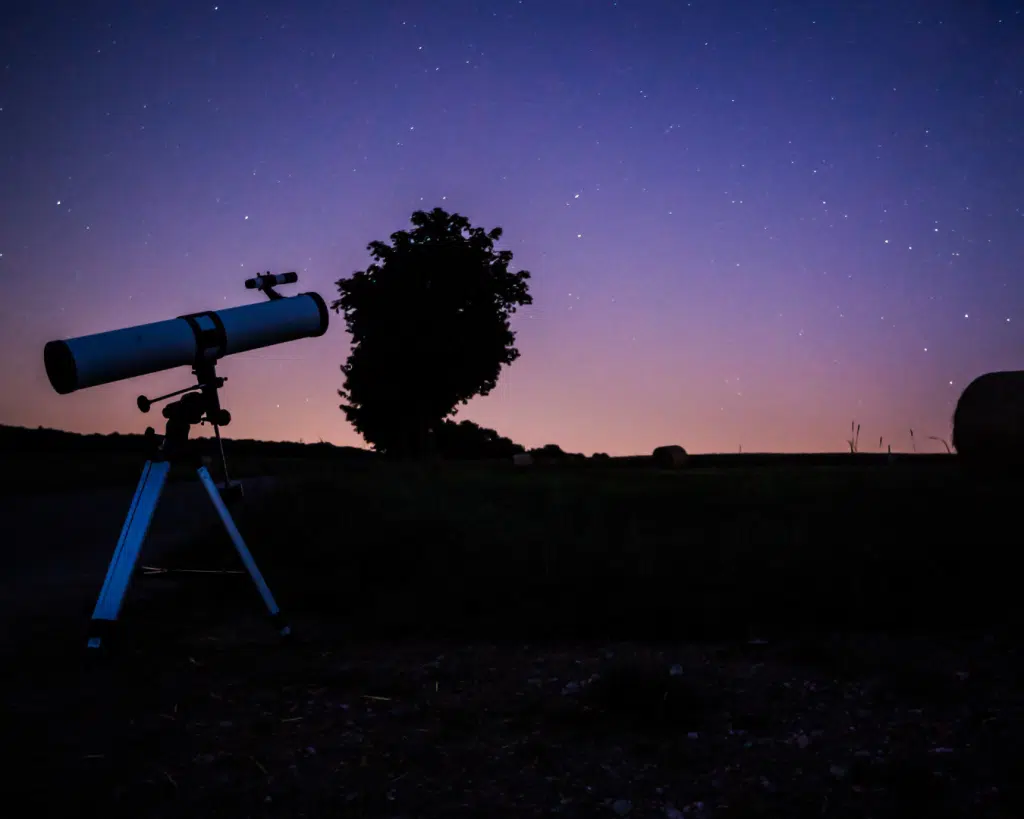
748 223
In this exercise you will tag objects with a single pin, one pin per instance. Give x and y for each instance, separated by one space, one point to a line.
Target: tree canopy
429 321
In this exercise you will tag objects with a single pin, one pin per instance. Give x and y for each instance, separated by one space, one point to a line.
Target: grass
60 472
463 548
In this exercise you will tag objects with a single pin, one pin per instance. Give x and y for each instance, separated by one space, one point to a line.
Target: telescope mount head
199 404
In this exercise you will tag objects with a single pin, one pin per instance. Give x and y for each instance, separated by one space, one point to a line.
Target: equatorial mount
199 404
144 404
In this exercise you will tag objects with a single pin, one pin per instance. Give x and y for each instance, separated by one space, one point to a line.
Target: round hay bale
671 456
988 423
522 459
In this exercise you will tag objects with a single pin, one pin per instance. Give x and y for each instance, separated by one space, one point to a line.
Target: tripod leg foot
282 626
100 635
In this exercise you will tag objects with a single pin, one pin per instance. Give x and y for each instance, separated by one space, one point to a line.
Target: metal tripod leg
129 544
242 549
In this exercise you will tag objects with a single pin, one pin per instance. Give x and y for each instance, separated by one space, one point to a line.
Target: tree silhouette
429 320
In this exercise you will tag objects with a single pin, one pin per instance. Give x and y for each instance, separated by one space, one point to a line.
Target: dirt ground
201 710
220 718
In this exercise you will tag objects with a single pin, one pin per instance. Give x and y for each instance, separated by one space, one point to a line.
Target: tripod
198 404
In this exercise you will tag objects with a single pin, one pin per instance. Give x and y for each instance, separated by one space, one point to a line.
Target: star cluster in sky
745 228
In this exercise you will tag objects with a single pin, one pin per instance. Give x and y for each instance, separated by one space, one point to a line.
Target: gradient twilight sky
748 223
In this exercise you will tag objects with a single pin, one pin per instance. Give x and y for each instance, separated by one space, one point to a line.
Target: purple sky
747 223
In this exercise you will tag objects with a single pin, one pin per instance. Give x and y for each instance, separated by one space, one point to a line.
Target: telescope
101 358
198 340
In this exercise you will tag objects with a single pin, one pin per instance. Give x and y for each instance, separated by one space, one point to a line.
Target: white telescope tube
101 358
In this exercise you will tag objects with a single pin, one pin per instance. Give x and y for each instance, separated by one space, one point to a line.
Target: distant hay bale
988 424
522 459
672 456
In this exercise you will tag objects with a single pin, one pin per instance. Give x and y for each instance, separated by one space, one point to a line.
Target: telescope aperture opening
60 367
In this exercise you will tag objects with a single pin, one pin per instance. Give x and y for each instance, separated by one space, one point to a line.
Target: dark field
483 640
61 472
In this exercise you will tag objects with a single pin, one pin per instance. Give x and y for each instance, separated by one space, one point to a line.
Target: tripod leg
242 549
129 544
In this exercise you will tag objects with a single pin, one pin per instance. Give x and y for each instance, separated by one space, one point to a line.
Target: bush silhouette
468 441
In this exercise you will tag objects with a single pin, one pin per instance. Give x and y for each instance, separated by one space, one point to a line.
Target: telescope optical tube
102 358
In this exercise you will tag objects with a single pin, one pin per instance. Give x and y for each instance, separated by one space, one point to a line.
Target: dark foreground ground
482 642
226 722
57 547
